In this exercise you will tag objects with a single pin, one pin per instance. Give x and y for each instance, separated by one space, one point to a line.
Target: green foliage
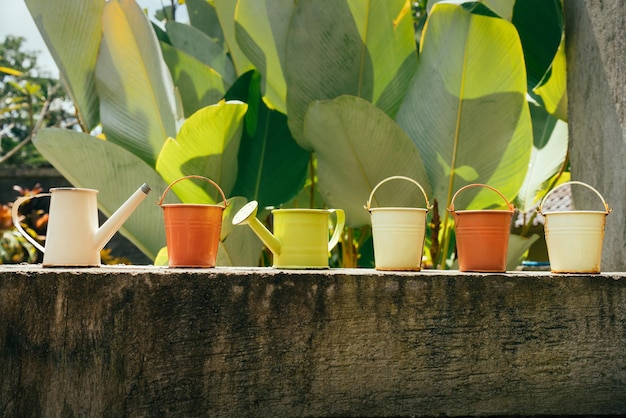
340 98
28 99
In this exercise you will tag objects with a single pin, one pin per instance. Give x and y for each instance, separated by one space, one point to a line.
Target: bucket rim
494 211
576 212
301 210
398 208
189 205
73 189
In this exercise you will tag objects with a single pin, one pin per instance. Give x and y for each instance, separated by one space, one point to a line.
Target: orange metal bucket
482 236
192 231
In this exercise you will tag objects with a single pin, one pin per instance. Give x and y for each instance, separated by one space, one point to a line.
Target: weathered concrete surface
259 342
596 64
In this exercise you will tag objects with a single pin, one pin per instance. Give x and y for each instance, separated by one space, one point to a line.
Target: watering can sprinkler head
247 216
246 213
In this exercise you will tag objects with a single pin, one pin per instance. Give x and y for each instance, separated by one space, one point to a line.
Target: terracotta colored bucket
192 231
482 236
398 233
574 238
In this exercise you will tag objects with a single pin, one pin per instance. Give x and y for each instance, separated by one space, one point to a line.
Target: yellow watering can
300 238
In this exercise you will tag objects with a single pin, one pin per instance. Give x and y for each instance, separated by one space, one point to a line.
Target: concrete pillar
596 66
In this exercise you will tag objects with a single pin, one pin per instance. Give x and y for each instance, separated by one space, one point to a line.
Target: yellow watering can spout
247 215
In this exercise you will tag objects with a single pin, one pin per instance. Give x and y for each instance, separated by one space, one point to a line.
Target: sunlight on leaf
207 145
138 110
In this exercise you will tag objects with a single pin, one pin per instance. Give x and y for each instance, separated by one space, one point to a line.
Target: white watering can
73 237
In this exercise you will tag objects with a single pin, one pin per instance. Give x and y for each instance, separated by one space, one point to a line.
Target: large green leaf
502 8
137 101
388 33
358 48
272 167
466 109
194 42
207 145
203 16
226 14
261 31
547 157
72 32
540 27
198 84
357 146
89 162
553 90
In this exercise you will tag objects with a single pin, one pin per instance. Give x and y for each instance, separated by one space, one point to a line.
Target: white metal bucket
398 233
574 238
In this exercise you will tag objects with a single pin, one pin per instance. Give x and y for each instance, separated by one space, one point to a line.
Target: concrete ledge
147 341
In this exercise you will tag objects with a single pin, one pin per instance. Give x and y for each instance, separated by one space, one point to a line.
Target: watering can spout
115 221
247 215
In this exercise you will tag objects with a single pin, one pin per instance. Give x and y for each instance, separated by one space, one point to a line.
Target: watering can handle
606 206
16 221
369 201
341 220
193 177
451 208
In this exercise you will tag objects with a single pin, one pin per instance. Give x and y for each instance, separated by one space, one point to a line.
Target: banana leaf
502 8
553 90
548 156
261 32
540 27
207 145
357 146
272 167
195 43
466 109
137 101
203 16
72 31
346 47
225 10
198 84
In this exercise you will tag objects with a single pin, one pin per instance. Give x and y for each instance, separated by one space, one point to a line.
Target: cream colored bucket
398 233
574 238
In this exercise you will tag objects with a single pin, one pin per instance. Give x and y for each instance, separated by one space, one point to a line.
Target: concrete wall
147 341
596 65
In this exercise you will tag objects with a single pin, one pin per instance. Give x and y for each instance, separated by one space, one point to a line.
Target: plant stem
312 189
348 250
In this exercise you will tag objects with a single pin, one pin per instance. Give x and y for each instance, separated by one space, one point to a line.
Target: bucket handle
160 203
451 208
606 206
369 201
